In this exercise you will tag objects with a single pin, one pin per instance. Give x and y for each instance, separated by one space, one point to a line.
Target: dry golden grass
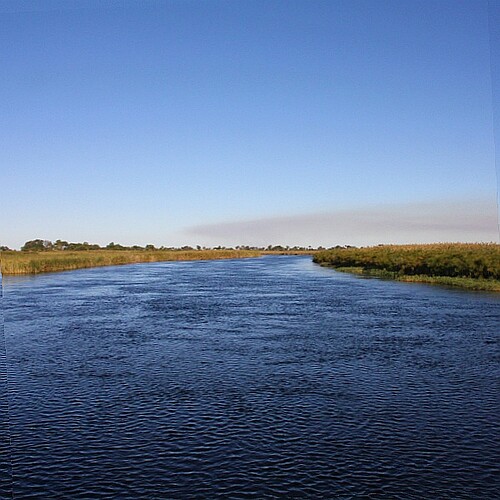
12 262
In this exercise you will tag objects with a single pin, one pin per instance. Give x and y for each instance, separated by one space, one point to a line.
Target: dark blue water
257 378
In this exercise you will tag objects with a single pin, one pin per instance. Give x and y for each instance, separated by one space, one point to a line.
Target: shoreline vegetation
42 256
473 266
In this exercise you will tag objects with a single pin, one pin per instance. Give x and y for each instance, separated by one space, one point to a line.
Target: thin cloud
465 220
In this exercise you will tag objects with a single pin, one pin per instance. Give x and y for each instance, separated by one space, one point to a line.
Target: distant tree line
40 245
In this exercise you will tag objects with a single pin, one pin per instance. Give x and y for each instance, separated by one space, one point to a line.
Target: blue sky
156 122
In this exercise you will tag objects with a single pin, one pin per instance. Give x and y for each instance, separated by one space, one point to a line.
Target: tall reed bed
12 262
471 265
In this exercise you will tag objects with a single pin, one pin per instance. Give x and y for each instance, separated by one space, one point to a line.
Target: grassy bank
13 262
471 266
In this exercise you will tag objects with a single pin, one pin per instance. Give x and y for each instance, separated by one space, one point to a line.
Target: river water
257 378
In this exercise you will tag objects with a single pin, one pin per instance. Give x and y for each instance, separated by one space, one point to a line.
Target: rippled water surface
254 378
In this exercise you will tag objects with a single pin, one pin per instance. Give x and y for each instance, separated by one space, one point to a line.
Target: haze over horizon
252 123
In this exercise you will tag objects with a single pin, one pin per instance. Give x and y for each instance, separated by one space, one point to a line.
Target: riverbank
14 262
469 266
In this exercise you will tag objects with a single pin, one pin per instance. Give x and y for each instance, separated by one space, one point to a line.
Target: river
255 378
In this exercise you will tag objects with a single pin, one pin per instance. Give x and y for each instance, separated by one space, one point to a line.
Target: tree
37 245
60 245
115 246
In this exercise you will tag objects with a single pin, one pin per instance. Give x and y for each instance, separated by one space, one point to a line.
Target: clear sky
225 122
